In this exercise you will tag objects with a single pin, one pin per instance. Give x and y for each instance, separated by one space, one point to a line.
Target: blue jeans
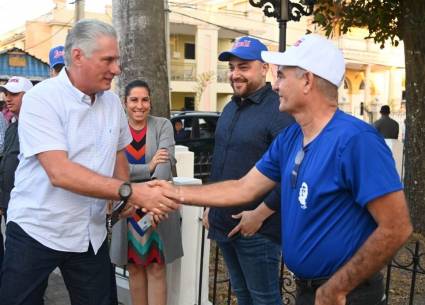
27 265
253 264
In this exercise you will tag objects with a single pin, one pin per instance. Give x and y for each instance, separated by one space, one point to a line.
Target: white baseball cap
312 53
17 84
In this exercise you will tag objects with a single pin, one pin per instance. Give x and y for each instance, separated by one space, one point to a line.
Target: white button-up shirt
57 116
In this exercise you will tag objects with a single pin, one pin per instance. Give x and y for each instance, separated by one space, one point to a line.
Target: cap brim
4 88
271 57
10 89
277 58
55 64
227 55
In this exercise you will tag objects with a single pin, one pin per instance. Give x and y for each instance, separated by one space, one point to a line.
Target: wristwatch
125 191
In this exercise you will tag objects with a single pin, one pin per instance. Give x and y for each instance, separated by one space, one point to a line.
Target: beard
242 88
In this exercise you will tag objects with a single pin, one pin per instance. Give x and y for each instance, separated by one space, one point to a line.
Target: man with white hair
14 91
73 132
344 214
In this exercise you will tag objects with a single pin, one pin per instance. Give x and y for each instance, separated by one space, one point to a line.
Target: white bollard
183 276
185 161
396 147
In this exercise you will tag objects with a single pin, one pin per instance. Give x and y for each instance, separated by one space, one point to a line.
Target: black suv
199 128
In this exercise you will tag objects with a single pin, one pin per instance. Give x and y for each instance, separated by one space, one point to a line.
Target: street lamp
284 11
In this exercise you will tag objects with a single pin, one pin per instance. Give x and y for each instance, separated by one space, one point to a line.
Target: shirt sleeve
40 127
3 127
269 164
368 168
139 172
125 137
166 140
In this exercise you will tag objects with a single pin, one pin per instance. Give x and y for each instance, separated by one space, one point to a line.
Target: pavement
56 293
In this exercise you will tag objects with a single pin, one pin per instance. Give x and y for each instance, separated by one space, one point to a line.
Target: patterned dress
144 247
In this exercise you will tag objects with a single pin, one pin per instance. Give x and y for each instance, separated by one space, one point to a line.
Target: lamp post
284 11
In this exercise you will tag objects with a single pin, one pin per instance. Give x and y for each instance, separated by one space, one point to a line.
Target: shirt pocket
108 138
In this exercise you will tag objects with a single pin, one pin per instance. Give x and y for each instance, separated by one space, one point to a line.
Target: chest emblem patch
302 196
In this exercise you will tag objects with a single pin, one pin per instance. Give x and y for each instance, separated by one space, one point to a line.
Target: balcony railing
183 72
222 74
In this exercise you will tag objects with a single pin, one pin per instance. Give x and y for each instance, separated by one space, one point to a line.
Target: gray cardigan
160 134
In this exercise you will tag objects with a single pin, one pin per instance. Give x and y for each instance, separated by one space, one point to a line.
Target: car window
197 127
187 125
206 128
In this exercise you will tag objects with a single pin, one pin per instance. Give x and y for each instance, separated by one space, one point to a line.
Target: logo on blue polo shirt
302 196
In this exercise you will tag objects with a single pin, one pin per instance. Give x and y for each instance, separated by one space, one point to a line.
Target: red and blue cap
56 56
245 48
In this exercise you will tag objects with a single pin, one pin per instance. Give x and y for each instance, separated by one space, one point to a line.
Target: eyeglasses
294 174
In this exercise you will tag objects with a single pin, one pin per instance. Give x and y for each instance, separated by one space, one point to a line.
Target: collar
78 94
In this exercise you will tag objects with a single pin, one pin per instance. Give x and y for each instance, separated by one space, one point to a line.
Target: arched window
362 85
347 86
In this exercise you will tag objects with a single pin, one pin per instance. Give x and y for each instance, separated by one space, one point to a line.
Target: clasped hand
152 197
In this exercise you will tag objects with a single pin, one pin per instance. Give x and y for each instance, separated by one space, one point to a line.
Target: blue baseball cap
56 56
245 48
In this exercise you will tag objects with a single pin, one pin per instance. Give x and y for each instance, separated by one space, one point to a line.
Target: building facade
201 29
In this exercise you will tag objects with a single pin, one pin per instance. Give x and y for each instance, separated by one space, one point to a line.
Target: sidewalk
56 293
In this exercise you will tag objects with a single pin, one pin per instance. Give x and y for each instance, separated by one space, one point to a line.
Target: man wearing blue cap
248 237
56 60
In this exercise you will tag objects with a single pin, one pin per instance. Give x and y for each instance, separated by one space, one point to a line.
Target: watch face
125 190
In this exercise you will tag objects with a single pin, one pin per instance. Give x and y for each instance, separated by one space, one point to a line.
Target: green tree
140 25
394 20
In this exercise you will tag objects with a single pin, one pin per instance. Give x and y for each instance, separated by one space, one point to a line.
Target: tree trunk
141 30
414 44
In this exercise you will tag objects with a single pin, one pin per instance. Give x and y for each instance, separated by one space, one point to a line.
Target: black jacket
9 163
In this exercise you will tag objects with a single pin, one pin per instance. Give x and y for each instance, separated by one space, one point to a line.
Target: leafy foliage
381 17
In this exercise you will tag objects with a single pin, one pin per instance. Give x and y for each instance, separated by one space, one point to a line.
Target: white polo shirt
57 116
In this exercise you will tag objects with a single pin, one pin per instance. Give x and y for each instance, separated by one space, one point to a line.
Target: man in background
386 126
14 91
56 60
3 125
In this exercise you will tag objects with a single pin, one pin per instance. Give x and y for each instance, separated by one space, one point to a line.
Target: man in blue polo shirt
249 236
344 214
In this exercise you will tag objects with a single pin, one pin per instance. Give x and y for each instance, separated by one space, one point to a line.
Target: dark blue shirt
181 135
325 219
244 131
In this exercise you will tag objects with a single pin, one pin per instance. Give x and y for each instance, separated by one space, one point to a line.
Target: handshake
156 197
